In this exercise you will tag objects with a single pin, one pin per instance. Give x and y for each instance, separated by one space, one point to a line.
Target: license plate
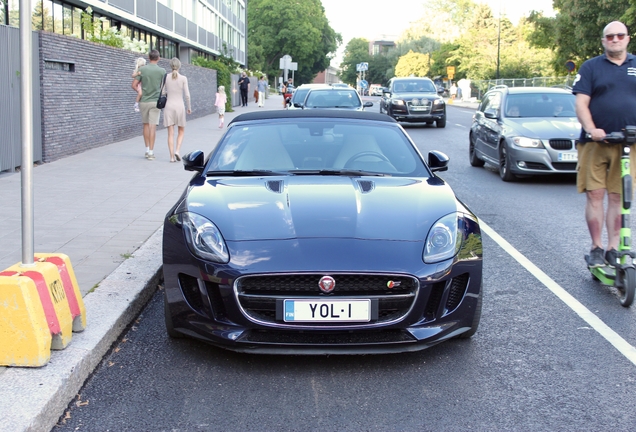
327 310
569 157
419 108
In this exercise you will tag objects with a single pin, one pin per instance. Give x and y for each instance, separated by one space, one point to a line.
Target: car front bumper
204 301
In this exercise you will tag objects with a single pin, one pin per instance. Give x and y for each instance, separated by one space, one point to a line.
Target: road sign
361 67
570 65
450 71
364 84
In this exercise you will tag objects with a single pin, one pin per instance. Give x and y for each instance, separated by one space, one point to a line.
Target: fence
10 102
479 87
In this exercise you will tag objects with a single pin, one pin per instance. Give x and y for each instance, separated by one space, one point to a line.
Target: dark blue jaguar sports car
320 232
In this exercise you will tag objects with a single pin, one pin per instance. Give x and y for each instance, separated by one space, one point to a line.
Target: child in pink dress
221 98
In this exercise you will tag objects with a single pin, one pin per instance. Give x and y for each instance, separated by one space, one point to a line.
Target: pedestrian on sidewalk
261 86
174 113
244 86
453 91
151 77
138 64
221 99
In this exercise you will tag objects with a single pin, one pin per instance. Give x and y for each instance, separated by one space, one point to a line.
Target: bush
223 76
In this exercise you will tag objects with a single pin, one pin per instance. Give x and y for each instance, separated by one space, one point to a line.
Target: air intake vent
559 144
275 185
366 185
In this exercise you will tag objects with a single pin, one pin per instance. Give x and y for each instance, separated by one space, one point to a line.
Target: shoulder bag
163 98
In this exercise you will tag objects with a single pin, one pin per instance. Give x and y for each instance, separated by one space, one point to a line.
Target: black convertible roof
314 113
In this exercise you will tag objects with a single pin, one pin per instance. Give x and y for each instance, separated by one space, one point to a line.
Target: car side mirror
194 161
368 104
298 105
440 91
437 161
491 113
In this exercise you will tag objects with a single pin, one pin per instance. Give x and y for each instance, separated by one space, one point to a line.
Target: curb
33 399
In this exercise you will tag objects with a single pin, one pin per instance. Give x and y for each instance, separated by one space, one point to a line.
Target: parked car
298 97
414 100
320 231
525 131
334 98
375 90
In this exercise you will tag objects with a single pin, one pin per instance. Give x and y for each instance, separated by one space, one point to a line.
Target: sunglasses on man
619 36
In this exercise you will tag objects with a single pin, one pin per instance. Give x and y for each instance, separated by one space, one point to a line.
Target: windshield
540 105
299 95
413 86
333 99
317 146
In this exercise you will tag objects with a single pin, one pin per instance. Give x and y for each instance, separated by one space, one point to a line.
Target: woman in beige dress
175 111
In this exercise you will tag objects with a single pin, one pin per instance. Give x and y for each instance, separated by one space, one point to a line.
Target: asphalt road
534 364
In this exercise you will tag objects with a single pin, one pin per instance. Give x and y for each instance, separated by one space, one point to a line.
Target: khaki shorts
149 112
599 166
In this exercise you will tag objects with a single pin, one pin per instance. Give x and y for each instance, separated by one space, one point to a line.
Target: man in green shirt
151 77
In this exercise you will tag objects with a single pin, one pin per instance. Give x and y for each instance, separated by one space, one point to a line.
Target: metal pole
26 91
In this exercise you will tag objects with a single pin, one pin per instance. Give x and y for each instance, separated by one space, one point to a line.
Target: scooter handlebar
619 137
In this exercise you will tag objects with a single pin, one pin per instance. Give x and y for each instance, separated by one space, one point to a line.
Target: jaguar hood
288 207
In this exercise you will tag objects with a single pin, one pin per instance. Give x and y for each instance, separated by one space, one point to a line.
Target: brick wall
92 106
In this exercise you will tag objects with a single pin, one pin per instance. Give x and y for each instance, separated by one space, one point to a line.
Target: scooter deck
605 274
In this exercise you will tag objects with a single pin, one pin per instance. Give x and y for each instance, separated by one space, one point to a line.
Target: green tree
290 27
575 32
381 69
416 64
356 51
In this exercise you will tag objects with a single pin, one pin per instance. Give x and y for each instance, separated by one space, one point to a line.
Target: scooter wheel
628 276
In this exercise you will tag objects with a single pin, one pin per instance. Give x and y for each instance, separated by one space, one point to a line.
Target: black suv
414 100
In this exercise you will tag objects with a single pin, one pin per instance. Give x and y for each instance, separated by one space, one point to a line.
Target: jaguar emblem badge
327 284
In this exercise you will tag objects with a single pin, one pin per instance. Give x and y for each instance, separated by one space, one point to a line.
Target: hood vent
366 185
275 186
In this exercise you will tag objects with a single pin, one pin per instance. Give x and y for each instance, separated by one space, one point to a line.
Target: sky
375 19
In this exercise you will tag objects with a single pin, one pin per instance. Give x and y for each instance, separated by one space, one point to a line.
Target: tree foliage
575 32
413 64
290 27
356 51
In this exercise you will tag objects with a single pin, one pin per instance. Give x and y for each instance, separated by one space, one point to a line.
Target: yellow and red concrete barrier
40 306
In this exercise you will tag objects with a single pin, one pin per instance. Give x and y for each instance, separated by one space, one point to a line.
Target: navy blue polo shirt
612 89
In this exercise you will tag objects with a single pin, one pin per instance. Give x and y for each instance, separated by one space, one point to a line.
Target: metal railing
479 87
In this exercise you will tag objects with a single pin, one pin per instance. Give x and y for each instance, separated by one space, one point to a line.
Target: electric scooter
623 275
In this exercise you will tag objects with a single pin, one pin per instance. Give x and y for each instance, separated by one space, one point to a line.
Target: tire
472 155
441 123
476 318
504 165
381 111
168 318
628 281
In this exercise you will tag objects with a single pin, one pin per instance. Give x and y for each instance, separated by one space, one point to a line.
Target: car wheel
474 160
504 164
476 319
441 123
381 111
168 318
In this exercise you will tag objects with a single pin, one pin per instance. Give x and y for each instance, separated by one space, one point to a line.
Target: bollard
34 301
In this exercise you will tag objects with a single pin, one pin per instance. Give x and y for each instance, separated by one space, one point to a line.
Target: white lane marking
595 322
462 126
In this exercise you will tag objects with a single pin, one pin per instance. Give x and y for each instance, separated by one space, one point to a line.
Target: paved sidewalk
104 208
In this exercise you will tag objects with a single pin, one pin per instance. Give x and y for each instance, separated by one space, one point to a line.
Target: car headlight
204 238
527 142
397 102
438 102
442 241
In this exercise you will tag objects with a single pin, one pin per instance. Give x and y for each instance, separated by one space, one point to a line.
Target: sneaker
151 156
611 257
595 258
177 156
146 155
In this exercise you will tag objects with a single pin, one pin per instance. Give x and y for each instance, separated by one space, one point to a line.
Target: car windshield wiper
341 172
240 173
